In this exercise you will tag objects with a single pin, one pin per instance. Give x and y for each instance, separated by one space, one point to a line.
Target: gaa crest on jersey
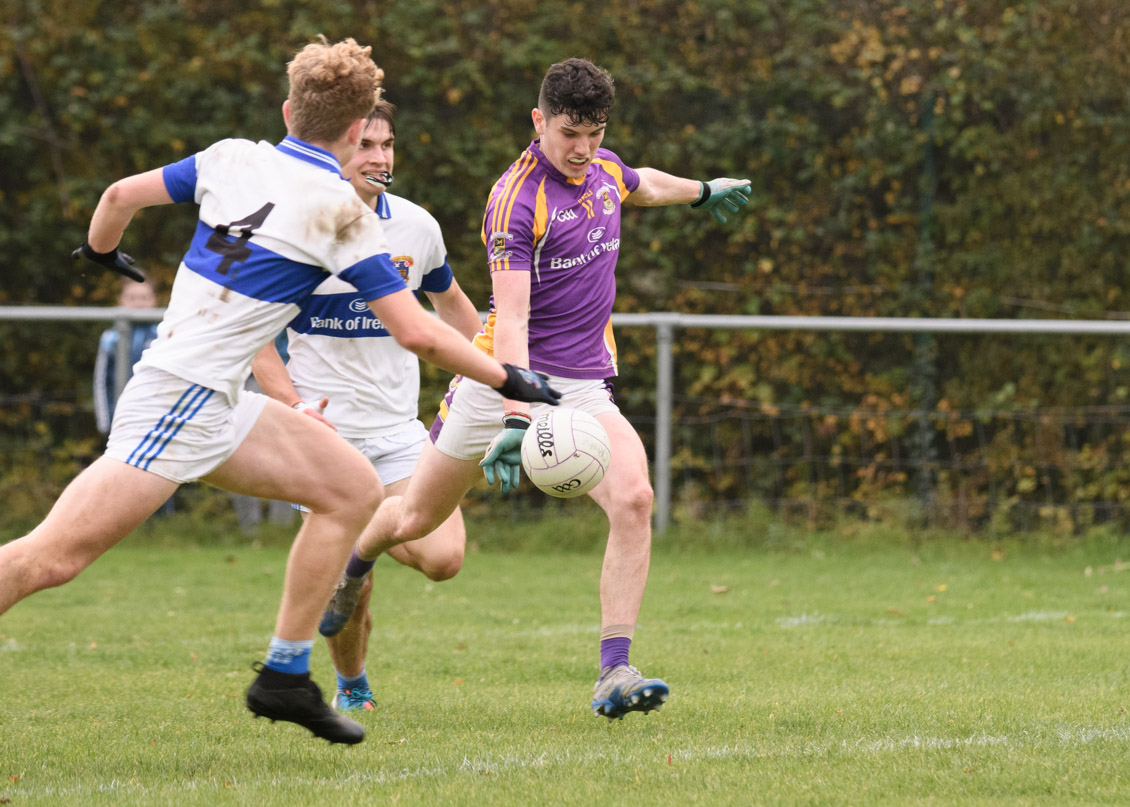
605 194
403 264
498 245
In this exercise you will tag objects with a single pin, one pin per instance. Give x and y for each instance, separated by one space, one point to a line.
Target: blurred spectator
132 295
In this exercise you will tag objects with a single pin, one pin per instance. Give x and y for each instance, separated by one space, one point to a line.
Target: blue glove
504 454
720 195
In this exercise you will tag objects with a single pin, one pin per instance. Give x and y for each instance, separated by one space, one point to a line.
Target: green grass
804 670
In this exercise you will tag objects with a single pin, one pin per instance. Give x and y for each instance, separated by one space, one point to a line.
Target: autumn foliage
940 159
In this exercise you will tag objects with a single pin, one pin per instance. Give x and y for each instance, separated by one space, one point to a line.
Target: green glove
720 195
504 454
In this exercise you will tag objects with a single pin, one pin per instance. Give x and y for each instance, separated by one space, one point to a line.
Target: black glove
526 385
114 259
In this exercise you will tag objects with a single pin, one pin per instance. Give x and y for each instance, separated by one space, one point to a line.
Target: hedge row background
907 159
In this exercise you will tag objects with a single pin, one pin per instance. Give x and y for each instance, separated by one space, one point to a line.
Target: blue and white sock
348 682
289 657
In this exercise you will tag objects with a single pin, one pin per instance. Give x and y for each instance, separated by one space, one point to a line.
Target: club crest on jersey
403 264
498 245
605 195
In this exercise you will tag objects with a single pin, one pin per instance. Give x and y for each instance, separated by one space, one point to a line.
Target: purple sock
357 567
614 652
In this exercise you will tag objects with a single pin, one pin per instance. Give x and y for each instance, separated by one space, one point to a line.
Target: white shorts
471 413
176 429
392 455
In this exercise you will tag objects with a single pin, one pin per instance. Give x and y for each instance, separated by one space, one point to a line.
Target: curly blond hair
330 87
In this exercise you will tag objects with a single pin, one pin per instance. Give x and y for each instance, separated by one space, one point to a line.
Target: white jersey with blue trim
340 350
273 221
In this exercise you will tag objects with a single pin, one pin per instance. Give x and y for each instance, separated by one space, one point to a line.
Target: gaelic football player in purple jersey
552 234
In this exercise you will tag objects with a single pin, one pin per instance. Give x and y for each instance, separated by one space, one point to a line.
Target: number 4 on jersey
237 251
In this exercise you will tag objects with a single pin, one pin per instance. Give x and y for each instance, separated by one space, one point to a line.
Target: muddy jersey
275 221
339 349
566 234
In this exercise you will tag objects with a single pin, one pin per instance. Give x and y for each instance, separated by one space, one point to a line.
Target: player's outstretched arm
440 344
115 210
718 196
456 309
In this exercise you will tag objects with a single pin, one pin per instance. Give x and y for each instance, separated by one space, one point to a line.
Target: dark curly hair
578 89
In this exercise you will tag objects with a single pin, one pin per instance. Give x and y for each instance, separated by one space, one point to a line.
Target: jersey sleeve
437 280
180 179
508 228
437 271
627 178
360 254
373 277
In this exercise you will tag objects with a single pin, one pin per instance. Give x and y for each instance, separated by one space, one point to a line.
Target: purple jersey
567 233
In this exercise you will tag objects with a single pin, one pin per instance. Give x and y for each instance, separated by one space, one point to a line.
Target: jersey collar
310 154
382 208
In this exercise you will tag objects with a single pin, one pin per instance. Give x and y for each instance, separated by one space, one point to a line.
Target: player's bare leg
437 486
291 457
349 648
438 555
625 495
348 652
102 505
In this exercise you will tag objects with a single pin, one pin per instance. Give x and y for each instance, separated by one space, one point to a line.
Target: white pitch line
1056 737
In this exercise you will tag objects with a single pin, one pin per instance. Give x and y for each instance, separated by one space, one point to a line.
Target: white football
565 452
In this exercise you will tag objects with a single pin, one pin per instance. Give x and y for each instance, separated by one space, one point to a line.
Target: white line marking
1052 738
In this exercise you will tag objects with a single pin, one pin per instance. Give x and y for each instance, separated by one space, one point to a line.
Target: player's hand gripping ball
565 452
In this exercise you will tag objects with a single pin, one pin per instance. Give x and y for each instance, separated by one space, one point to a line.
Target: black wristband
704 196
515 420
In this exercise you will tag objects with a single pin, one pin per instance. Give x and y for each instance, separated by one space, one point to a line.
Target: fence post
664 387
924 367
123 367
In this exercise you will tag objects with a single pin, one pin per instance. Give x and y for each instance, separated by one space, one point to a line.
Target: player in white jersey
371 385
274 220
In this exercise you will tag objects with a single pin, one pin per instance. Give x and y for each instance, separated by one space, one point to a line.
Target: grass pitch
836 672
